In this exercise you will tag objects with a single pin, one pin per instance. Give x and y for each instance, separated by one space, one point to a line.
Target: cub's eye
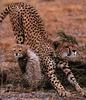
14 50
66 46
20 50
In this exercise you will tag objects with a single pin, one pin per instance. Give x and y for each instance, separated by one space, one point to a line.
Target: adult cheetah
29 30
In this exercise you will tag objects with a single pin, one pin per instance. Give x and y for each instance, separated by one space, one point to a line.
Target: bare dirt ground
37 96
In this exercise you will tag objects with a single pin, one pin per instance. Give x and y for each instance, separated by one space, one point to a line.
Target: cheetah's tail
4 13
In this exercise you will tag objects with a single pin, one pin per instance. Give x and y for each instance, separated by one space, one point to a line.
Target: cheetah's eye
66 46
74 52
19 49
14 50
69 53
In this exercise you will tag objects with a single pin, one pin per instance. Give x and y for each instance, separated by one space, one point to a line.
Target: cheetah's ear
56 44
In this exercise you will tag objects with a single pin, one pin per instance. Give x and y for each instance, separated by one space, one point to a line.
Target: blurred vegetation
66 38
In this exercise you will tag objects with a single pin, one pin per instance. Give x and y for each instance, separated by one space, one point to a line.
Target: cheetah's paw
65 94
81 91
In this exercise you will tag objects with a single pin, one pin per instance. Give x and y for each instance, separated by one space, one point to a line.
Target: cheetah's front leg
50 66
65 68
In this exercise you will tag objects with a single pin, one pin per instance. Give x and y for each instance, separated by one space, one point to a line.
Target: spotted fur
68 52
29 30
17 12
29 64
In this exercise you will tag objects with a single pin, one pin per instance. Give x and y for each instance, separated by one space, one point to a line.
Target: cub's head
69 52
19 51
66 47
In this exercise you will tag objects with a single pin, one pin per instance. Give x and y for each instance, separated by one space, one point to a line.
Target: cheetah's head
19 51
69 52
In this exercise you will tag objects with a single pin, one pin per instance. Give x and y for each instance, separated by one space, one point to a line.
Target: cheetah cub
29 64
67 52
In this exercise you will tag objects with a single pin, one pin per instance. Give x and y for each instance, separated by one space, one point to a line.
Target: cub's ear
56 44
